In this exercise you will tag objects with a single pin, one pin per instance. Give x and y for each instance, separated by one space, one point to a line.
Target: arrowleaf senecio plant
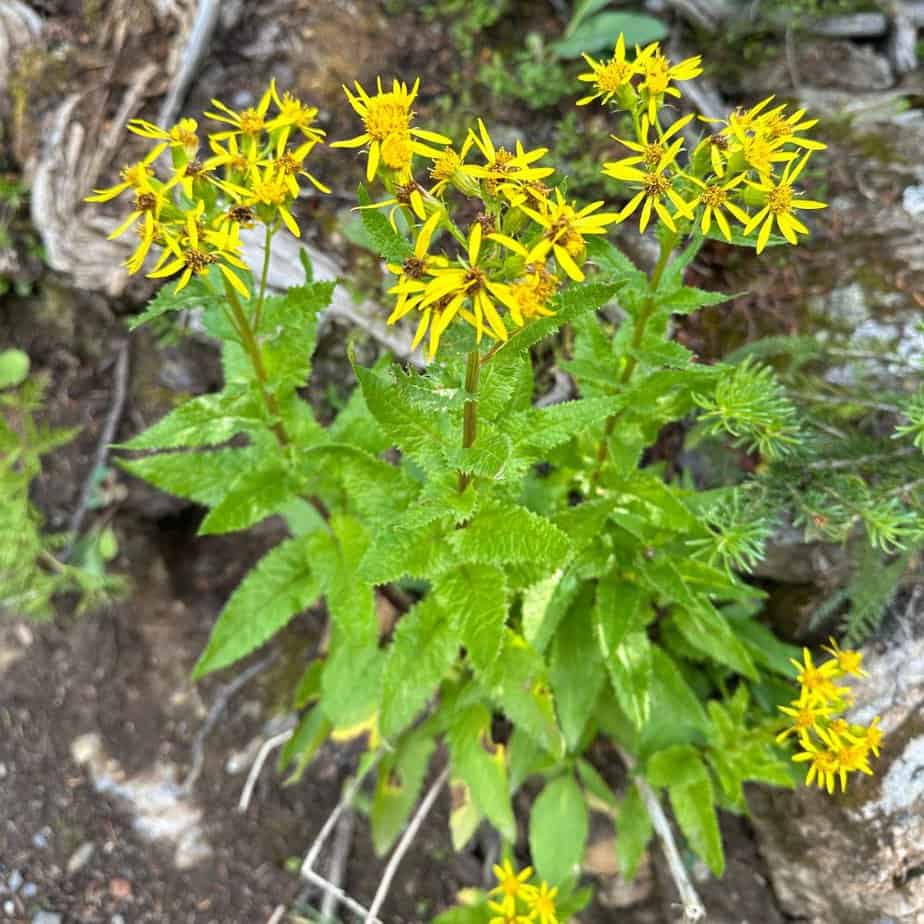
548 576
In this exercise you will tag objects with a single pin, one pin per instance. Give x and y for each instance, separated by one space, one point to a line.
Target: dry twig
119 389
406 840
341 851
693 909
269 745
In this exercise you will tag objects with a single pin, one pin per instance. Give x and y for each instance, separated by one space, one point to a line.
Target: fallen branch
406 839
264 752
345 801
342 897
341 851
693 909
219 706
106 436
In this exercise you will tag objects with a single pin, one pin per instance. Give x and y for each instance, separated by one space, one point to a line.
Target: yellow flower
774 126
449 169
656 185
610 78
649 152
236 163
248 122
564 231
817 682
512 885
657 74
293 113
807 715
781 203
290 164
387 118
182 135
268 191
824 765
501 166
502 914
136 176
410 285
532 293
871 737
715 197
197 250
849 662
542 905
462 281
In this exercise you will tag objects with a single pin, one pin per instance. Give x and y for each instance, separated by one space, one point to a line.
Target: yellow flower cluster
195 210
744 170
519 902
833 747
503 263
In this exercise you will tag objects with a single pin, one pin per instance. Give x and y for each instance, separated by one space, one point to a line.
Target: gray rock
8 908
47 917
853 25
80 858
846 858
29 890
15 881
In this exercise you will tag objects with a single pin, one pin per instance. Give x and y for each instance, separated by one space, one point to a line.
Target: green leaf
312 731
688 299
409 426
672 278
476 600
422 651
251 497
14 368
620 608
167 299
577 673
504 533
404 553
519 686
309 686
398 785
288 333
350 602
689 787
525 757
602 30
202 477
505 387
544 605
203 421
614 265
630 668
558 830
672 696
484 773
763 646
352 686
705 629
633 832
390 245
545 428
280 586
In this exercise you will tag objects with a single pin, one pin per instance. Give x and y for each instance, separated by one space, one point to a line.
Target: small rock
913 200
80 857
29 890
117 919
15 881
8 908
120 888
85 748
40 838
47 917
3 771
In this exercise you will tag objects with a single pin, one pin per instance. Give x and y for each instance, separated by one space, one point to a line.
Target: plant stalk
264 275
667 248
470 410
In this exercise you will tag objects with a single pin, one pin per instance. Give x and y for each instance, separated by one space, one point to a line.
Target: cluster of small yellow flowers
194 212
833 747
502 266
519 902
728 173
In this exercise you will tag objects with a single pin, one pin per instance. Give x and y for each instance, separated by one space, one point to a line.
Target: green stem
261 297
255 354
648 308
470 410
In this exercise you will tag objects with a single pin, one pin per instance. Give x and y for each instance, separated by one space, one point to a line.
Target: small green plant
32 572
553 590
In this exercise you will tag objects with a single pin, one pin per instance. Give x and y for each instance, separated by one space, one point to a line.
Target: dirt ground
98 718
